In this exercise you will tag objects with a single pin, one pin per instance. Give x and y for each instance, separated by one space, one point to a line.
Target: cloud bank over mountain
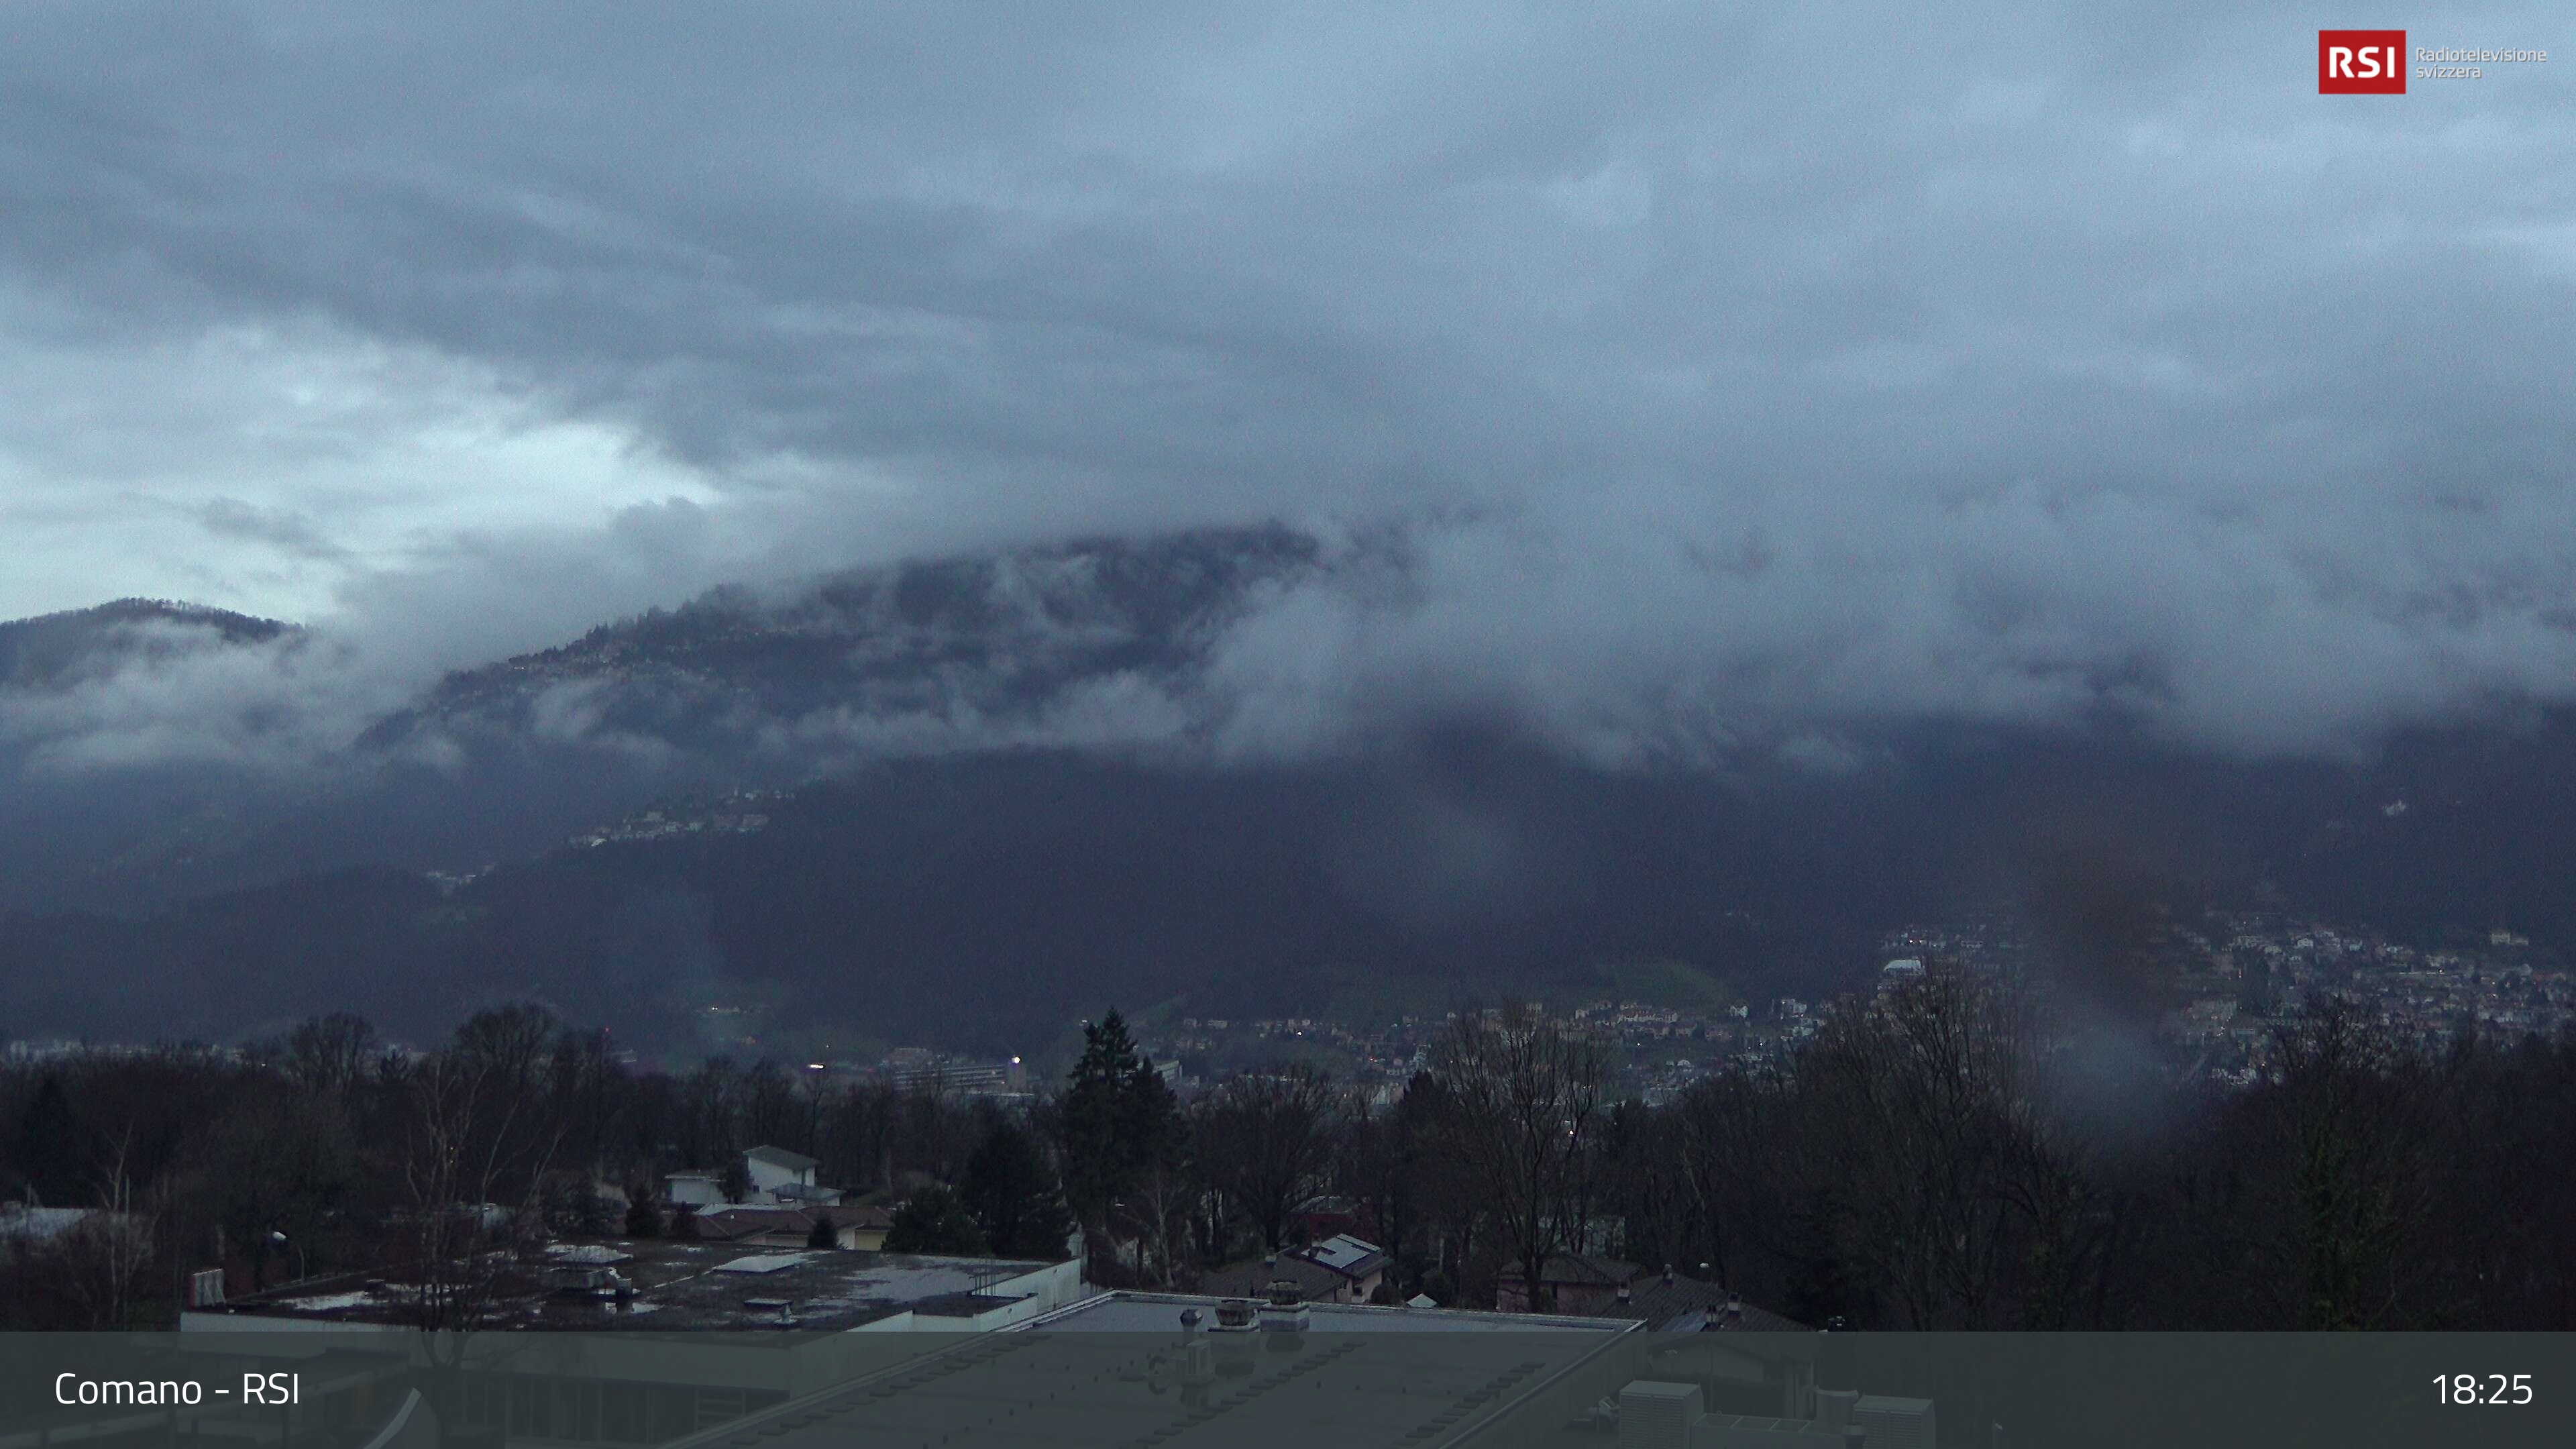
1671 383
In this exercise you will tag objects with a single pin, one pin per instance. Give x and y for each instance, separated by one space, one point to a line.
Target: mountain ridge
941 845
995 632
45 650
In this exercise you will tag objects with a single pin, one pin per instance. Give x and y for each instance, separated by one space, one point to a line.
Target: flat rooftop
1161 1313
682 1286
1136 1390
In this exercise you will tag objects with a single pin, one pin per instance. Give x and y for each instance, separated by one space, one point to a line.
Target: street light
279 1238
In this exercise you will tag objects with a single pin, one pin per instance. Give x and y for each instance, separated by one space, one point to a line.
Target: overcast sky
1797 362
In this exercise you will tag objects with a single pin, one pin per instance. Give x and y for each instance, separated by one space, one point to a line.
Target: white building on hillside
774 1176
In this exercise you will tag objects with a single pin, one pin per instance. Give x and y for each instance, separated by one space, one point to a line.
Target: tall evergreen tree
1012 1191
51 1153
1117 1121
932 1220
733 1180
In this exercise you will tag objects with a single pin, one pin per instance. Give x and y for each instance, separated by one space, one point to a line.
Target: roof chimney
1284 1311
1668 1273
1623 1292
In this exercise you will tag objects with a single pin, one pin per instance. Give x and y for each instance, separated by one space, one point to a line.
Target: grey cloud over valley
1670 380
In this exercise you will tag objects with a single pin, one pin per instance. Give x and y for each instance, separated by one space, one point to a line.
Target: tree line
1950 1154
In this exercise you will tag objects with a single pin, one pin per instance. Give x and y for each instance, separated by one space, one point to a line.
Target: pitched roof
781 1157
1680 1304
724 1225
1751 1320
1579 1270
1346 1254
19 1222
1251 1278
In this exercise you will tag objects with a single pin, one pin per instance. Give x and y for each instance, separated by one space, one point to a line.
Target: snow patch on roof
764 1262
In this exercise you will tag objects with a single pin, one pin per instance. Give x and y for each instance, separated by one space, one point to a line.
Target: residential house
865 1228
691 1189
786 1176
22 1224
861 1228
1671 1302
1579 1284
775 1177
1318 1218
1592 1287
1341 1269
1360 1265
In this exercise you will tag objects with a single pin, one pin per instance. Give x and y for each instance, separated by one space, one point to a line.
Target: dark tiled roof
1251 1278
727 1224
1688 1304
1753 1320
1578 1270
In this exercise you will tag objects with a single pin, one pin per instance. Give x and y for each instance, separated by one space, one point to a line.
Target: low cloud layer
1669 381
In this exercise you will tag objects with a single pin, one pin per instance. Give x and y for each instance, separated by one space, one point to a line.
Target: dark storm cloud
1734 377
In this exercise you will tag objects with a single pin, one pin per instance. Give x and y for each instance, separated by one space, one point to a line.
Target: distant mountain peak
992 635
49 649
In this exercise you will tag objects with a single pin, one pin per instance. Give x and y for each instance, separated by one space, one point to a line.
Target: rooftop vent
1284 1314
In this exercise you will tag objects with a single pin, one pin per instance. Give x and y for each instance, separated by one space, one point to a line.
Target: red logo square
2361 62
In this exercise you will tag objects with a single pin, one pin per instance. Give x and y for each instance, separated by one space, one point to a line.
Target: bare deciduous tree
1264 1141
472 1135
108 1252
1524 1097
330 1054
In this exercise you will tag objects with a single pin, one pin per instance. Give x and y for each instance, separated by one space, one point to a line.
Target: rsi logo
2361 62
